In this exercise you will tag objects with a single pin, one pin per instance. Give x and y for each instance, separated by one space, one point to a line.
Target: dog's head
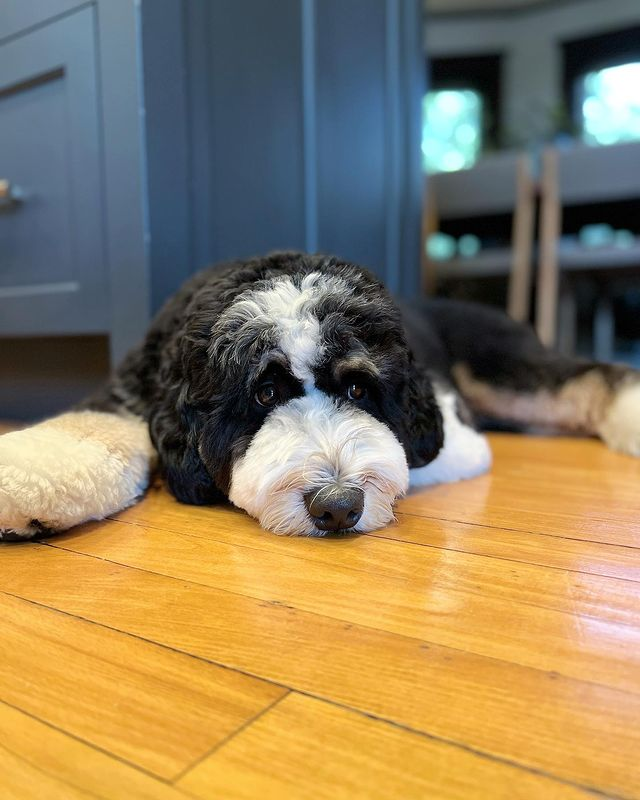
290 388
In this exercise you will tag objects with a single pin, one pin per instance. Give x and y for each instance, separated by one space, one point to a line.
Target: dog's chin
311 442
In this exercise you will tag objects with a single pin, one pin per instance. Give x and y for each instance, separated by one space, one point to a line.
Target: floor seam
573 615
292 689
181 775
85 742
517 530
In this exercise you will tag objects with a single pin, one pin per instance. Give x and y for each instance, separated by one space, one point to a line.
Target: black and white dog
295 387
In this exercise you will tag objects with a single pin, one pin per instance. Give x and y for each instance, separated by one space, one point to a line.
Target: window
461 113
610 104
601 83
451 129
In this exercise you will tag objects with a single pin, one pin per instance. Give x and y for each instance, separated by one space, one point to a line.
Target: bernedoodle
296 388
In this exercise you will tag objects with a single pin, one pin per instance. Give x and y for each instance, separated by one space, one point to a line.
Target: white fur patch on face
289 309
80 466
620 428
306 444
465 453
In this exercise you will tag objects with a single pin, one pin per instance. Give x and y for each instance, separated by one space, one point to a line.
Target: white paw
80 466
33 531
620 428
465 453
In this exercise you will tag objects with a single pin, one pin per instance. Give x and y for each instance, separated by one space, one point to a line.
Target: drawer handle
11 196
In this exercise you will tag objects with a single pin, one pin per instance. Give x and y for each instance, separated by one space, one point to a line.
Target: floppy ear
174 432
423 425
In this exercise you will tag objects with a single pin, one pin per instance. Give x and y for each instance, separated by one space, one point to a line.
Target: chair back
598 174
575 176
497 184
489 187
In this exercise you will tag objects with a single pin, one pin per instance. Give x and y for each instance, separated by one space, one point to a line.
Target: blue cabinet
306 129
151 137
52 270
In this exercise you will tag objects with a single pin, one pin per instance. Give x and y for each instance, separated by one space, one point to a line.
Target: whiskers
325 444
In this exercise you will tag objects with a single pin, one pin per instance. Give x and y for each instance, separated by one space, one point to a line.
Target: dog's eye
356 391
267 395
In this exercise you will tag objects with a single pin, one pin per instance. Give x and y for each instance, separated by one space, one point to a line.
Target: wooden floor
488 645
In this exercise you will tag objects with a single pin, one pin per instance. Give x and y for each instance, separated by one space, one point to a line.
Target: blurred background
482 149
531 134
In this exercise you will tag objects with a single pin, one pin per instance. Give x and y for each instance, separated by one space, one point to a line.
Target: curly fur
78 466
311 327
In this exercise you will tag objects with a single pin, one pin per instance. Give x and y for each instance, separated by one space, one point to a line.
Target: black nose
335 507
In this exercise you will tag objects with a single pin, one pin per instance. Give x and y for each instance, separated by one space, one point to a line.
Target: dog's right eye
267 395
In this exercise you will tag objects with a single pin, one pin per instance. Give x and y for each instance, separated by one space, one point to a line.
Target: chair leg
519 289
550 229
604 329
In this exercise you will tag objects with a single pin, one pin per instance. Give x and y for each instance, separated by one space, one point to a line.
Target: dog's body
295 387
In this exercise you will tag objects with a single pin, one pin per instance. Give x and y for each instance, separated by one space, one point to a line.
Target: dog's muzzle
317 465
335 507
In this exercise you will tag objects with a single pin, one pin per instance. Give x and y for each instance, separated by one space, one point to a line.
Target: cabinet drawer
52 272
18 15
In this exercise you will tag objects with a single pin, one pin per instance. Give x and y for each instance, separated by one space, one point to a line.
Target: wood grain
305 748
161 510
565 487
39 761
486 645
150 706
440 582
495 706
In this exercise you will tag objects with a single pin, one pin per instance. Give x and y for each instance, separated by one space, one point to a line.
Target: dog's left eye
267 395
356 391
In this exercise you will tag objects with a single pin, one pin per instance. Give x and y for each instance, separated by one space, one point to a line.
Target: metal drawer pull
10 195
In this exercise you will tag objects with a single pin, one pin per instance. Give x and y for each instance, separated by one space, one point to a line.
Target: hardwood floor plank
308 749
503 709
568 451
21 780
584 626
589 493
543 550
225 524
152 707
38 761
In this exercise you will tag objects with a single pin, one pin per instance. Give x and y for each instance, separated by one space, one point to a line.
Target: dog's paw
34 530
80 466
31 490
620 428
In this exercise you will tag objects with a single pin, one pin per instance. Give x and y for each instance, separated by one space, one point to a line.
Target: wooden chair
497 184
582 175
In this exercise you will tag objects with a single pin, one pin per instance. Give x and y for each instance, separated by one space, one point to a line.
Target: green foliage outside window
611 105
451 130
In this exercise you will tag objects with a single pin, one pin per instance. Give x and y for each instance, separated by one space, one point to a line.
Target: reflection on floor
486 645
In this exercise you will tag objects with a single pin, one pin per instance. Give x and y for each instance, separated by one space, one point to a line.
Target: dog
296 388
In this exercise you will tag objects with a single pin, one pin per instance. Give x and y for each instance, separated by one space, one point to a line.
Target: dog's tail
85 464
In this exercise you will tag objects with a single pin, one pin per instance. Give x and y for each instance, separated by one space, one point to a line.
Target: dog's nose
335 507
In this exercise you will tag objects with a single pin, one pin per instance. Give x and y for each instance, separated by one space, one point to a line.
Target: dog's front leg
79 466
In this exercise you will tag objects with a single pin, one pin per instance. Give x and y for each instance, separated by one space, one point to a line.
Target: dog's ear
173 429
422 418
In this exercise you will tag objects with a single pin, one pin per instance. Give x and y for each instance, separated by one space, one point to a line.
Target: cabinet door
306 130
52 271
18 15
